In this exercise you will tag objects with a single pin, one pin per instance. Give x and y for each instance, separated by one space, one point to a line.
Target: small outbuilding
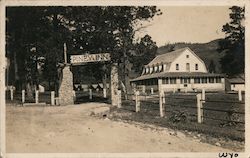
235 83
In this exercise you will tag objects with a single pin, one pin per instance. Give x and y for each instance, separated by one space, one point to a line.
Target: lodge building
179 70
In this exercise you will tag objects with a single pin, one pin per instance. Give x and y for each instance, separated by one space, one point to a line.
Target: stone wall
66 93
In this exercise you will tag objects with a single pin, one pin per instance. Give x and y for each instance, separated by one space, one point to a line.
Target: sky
187 24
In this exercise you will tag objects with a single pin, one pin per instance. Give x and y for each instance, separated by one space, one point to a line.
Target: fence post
23 96
90 94
203 98
137 101
11 93
161 104
37 96
186 90
152 90
199 106
52 96
240 95
163 98
119 99
104 93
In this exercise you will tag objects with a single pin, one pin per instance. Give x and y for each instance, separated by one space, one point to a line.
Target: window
187 67
204 80
151 69
211 80
196 67
187 56
177 66
156 69
196 80
160 68
172 80
185 80
165 81
218 80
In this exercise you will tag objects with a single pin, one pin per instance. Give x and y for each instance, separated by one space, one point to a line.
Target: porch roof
176 74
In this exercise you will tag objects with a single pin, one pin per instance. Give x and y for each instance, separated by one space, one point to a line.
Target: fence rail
199 107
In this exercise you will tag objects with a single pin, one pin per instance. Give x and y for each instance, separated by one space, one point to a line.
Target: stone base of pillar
66 92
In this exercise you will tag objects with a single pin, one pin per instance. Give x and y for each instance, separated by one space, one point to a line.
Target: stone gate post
66 93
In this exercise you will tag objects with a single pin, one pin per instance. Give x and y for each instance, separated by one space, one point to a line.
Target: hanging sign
78 59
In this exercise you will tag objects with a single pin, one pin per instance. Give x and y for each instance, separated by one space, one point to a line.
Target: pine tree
234 44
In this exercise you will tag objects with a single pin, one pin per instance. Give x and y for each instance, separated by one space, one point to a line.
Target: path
72 129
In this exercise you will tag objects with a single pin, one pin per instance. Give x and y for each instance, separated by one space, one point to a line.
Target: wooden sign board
79 59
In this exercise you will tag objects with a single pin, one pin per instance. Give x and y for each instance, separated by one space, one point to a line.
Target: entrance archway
66 90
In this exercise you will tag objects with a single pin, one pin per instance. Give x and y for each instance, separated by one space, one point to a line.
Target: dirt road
72 129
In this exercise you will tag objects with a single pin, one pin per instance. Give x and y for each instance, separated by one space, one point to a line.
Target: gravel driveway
72 129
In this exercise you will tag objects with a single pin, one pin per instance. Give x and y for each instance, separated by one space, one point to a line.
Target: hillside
206 51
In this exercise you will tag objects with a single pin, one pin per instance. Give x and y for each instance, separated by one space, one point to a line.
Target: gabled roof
167 57
240 79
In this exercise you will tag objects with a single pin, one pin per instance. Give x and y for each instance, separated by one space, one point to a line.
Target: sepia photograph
124 79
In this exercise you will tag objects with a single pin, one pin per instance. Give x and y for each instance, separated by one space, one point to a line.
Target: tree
211 67
145 51
234 44
84 29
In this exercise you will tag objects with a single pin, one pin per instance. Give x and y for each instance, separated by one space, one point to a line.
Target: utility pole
65 53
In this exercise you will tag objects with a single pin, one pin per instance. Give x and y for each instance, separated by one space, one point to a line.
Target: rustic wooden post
163 98
52 97
119 99
37 96
23 96
104 93
11 93
114 81
137 101
161 104
240 95
199 106
203 98
90 94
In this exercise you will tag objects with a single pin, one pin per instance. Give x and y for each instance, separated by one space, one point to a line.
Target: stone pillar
66 94
114 84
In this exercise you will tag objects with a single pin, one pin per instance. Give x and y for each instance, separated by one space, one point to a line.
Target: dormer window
151 69
155 68
177 66
160 68
147 70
